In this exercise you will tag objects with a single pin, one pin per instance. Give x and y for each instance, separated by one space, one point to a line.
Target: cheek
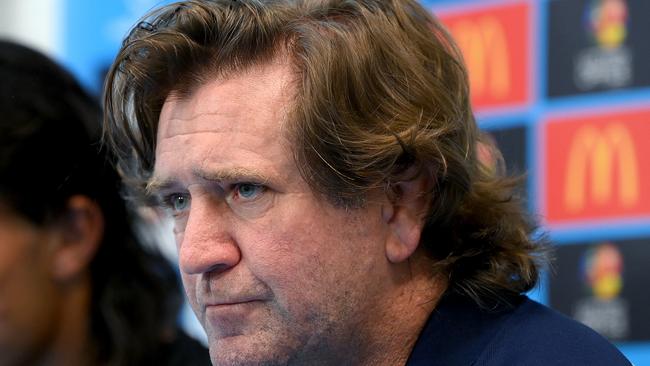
22 272
178 239
27 310
300 257
281 254
189 285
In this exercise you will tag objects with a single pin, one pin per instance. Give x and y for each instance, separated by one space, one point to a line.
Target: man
77 287
318 159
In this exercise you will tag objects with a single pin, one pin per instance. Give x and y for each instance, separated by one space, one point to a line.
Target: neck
402 318
72 344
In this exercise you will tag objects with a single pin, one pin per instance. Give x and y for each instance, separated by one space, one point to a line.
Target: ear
81 231
406 213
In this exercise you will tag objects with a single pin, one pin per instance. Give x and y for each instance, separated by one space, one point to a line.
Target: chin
250 350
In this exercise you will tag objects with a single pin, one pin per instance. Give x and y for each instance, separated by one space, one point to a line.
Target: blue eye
178 202
249 190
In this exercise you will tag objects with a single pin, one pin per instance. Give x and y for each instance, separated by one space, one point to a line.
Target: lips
224 304
233 317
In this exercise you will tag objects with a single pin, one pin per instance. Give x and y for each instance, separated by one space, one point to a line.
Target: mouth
226 304
232 317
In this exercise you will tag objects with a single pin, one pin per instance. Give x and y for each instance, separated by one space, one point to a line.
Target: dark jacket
458 332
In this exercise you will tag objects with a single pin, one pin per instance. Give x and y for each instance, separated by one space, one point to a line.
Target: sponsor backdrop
602 283
563 88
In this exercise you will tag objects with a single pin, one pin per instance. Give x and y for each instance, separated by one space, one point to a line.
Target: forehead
226 127
259 93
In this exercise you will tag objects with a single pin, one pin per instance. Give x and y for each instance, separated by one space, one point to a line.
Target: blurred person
76 285
319 161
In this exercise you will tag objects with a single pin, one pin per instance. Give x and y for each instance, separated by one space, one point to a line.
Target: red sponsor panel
597 168
495 43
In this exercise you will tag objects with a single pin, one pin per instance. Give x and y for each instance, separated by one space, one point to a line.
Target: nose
207 244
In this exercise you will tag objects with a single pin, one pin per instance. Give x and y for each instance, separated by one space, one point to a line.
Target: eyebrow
229 175
158 184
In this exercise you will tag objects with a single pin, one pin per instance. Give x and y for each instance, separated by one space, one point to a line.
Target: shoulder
458 332
534 334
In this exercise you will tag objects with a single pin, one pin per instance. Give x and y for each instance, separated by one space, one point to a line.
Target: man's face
28 296
275 274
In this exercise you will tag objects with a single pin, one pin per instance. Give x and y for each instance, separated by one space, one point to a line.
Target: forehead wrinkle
177 125
280 79
196 115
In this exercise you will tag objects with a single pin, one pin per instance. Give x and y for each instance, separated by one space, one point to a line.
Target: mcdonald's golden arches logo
595 168
486 54
600 152
494 42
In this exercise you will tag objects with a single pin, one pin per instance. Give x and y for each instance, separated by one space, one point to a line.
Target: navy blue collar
457 332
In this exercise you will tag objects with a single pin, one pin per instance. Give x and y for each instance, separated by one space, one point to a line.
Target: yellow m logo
600 151
484 47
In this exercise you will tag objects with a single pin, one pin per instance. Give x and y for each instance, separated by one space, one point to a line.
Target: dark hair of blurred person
76 286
